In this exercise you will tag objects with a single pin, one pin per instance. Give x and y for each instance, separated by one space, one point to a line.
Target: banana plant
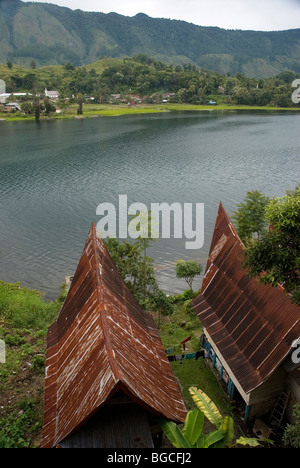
192 435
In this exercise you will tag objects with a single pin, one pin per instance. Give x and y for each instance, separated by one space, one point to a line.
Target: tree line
151 79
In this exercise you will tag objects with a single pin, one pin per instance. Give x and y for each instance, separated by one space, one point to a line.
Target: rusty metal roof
103 342
252 325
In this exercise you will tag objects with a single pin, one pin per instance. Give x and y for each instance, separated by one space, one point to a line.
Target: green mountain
49 34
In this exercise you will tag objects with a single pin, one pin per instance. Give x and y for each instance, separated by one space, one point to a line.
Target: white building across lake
5 96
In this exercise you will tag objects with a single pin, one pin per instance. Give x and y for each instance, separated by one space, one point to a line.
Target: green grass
19 426
25 308
192 373
179 326
108 110
182 324
24 320
224 107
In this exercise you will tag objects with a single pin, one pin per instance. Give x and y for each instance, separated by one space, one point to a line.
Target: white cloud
230 14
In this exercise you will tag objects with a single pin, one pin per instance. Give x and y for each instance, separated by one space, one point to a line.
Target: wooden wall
114 426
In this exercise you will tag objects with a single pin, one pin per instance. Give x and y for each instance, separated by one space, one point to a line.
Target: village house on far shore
5 96
53 95
12 106
249 330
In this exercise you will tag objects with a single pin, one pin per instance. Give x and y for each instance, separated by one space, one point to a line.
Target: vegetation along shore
134 85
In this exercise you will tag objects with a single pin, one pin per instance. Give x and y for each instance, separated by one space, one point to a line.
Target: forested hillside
151 81
49 34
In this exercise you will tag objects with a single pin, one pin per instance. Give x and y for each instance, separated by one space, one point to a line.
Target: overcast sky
264 15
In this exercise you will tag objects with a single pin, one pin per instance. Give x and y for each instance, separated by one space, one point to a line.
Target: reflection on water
55 174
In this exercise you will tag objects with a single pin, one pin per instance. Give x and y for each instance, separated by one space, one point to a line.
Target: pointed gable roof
252 325
103 342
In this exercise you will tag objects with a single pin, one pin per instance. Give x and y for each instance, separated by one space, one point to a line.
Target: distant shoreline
102 110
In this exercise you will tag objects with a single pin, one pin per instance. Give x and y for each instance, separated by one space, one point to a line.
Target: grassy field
24 321
108 110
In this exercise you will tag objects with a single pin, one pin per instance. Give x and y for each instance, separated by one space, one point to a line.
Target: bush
187 295
292 432
38 363
14 340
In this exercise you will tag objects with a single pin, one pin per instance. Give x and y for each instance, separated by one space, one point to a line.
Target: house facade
249 328
53 95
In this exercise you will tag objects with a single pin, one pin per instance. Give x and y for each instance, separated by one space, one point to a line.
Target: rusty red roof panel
103 342
252 325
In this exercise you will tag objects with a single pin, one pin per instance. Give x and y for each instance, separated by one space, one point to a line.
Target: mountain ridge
50 34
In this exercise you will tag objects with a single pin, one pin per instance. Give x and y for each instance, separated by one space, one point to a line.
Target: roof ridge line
110 352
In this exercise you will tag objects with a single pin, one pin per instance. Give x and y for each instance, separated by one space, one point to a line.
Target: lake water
55 174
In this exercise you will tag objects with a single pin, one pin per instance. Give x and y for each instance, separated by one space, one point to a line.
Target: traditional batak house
107 373
249 329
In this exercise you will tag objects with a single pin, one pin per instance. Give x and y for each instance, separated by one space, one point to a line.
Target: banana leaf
173 433
228 430
252 442
207 406
214 439
193 426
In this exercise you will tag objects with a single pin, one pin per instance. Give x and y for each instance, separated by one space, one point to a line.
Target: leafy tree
49 107
188 270
283 100
162 304
69 66
29 81
80 104
143 58
27 107
134 266
250 217
275 258
37 109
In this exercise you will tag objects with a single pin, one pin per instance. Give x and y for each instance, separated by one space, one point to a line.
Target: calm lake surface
55 174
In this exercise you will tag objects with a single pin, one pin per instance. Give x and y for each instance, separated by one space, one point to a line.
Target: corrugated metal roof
252 325
103 342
